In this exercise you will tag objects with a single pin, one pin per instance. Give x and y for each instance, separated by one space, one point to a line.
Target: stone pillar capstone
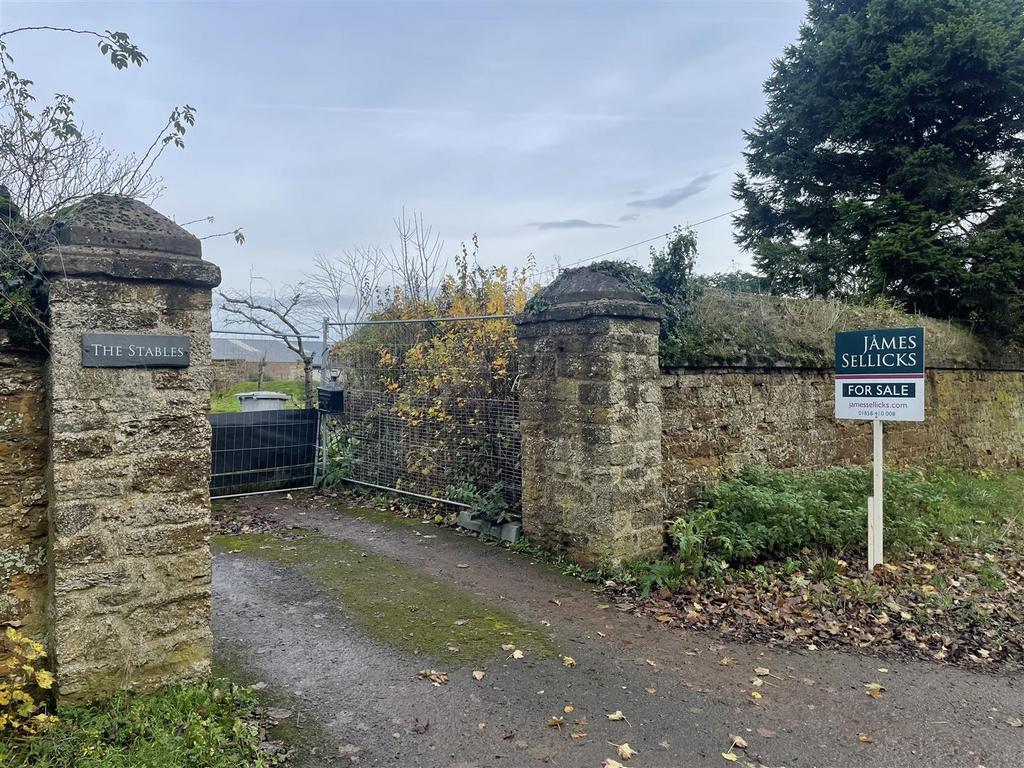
128 478
590 418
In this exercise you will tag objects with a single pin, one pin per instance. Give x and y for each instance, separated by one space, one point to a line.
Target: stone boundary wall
715 420
24 449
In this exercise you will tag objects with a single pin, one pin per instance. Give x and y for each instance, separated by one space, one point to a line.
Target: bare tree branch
416 263
347 287
278 313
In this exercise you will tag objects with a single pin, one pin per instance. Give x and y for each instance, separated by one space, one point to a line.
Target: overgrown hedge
722 321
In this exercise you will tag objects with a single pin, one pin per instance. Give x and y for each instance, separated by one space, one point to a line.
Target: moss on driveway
395 604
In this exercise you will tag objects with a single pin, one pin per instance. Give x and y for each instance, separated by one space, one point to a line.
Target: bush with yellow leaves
24 685
430 406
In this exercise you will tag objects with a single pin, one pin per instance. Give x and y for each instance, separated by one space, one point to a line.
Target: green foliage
771 514
672 265
210 724
657 575
225 400
490 505
890 160
22 286
734 281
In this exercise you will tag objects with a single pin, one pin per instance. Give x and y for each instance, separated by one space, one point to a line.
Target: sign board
880 374
134 350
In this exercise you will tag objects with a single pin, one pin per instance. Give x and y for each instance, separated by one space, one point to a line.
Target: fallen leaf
755 694
1016 722
883 670
478 675
462 565
664 618
762 671
517 654
555 602
650 663
568 709
609 763
508 647
617 715
626 751
578 735
556 722
738 741
874 690
664 744
436 678
568 661
863 738
725 661
730 756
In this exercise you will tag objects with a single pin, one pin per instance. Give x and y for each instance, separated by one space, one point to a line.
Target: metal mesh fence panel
429 408
263 451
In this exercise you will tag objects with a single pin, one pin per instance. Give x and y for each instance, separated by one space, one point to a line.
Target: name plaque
134 350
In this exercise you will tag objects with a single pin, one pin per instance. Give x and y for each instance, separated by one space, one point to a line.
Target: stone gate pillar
128 479
590 416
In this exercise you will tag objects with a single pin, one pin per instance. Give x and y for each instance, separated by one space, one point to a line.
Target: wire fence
261 451
428 408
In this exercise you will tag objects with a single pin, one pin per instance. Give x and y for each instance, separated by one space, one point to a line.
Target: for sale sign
880 374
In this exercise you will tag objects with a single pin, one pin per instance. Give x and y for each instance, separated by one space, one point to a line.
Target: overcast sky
561 129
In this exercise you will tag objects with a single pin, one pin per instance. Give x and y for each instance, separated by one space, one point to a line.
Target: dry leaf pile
235 519
957 606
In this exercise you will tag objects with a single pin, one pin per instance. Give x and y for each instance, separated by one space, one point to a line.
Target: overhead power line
561 267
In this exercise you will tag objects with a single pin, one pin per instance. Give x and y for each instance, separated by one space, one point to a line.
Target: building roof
259 348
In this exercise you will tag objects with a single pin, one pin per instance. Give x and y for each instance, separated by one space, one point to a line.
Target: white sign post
879 377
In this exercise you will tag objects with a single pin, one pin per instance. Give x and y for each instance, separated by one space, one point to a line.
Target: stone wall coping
112 221
119 264
618 308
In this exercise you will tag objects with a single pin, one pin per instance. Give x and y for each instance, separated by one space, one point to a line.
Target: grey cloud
629 217
693 187
570 224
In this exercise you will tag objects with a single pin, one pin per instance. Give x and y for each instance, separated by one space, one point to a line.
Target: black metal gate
262 451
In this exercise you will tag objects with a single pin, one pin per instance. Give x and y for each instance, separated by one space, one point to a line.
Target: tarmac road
351 695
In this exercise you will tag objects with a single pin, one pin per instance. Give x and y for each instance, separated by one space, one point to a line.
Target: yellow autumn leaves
23 682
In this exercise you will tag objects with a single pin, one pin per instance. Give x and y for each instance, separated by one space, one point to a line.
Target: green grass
224 400
767 514
204 725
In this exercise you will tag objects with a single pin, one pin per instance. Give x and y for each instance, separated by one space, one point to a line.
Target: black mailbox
330 399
